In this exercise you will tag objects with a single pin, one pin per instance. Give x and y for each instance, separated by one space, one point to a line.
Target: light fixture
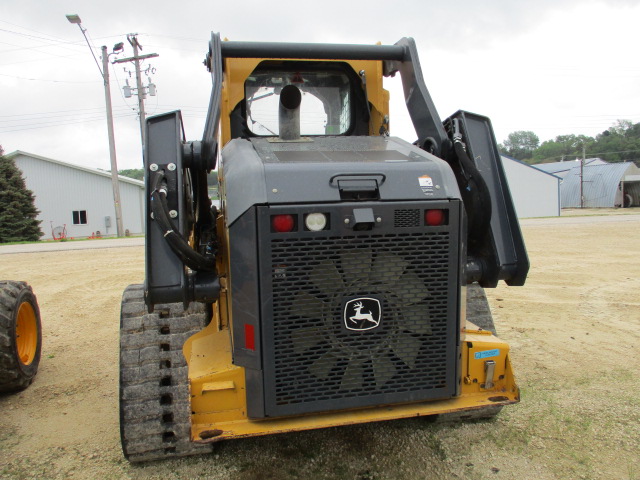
283 223
315 221
74 19
434 218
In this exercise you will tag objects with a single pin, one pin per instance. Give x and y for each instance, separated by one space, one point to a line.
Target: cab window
325 109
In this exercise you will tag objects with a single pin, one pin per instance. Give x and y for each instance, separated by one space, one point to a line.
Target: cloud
554 67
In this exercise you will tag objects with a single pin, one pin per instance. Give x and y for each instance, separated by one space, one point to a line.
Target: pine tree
17 209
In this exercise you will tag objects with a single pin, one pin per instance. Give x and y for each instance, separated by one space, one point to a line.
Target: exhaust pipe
289 113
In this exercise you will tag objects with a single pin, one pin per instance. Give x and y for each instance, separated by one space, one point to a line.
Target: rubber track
10 378
478 311
155 409
484 413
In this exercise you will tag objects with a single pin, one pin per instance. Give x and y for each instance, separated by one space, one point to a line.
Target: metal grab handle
379 177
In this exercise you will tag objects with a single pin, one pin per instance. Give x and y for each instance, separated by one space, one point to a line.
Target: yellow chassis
218 398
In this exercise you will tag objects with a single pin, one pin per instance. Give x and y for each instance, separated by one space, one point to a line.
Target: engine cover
363 312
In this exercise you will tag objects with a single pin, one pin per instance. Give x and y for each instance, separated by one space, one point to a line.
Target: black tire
478 311
20 336
155 408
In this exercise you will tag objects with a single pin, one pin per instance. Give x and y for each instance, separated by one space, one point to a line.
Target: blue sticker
487 354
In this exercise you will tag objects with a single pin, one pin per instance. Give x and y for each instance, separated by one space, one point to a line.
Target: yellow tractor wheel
20 336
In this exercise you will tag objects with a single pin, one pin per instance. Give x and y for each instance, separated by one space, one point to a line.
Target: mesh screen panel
404 218
355 318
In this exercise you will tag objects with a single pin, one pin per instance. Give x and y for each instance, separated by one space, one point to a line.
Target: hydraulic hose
177 243
475 192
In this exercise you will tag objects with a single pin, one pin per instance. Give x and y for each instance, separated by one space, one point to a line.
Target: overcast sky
551 66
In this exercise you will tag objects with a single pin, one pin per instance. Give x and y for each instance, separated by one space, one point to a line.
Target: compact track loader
340 281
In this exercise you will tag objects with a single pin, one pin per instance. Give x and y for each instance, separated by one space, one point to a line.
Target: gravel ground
574 331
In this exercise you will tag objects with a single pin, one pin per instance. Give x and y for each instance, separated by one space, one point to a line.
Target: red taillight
282 223
433 218
249 337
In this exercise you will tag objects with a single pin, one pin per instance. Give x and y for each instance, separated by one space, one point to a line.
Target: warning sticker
486 354
426 181
426 184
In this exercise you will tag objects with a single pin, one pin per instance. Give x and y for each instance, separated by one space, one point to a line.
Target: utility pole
104 72
133 40
582 160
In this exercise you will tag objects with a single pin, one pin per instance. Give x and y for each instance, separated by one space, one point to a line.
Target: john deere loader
341 279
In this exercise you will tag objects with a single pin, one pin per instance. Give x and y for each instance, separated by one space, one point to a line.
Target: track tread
155 410
478 311
484 413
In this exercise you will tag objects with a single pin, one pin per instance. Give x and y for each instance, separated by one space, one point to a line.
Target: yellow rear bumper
218 399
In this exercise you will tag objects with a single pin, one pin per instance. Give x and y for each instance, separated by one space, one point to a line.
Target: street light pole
104 72
112 143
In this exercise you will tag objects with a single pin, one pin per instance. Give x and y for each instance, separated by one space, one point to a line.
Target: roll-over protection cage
466 141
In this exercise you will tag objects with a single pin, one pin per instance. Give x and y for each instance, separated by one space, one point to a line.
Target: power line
52 43
43 79
55 111
60 124
61 117
35 48
53 40
189 39
24 122
41 59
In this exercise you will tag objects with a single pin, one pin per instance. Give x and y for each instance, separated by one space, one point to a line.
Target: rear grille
314 361
406 218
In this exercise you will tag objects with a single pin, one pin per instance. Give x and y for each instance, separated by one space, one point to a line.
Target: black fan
345 336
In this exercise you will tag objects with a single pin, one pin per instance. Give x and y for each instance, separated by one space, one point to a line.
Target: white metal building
535 193
79 198
601 184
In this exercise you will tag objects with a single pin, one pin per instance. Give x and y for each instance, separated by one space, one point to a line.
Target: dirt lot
574 331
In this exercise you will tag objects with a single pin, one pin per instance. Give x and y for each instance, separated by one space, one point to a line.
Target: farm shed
561 169
604 185
535 193
79 199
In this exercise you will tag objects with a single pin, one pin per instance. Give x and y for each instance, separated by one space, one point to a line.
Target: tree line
619 143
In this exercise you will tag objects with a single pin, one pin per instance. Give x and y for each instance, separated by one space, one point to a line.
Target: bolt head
173 213
171 167
153 167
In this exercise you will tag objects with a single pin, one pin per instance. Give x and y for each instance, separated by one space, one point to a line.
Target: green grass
80 239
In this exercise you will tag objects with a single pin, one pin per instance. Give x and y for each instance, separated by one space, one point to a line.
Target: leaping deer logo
359 318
